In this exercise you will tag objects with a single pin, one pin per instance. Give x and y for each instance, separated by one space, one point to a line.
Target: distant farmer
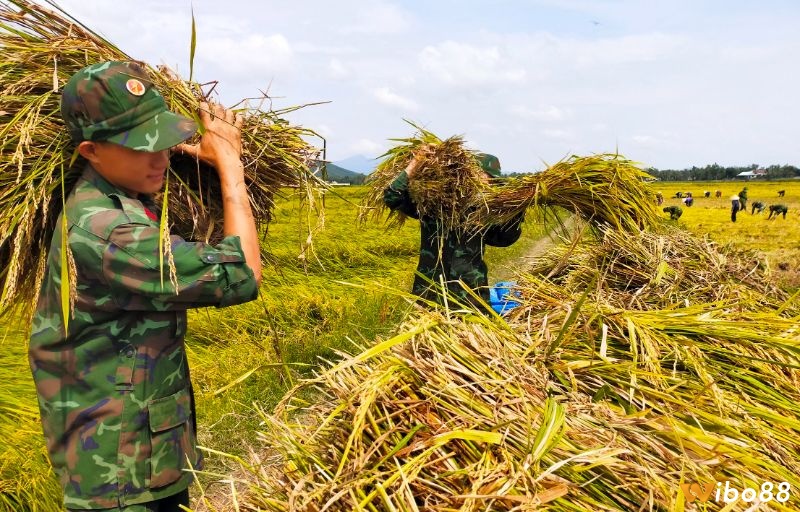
659 198
781 193
718 194
678 195
674 212
743 199
450 255
735 207
777 209
688 200
757 205
707 193
112 378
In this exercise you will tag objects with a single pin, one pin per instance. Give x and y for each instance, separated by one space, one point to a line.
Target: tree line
718 172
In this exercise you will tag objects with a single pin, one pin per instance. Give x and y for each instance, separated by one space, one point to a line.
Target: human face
134 172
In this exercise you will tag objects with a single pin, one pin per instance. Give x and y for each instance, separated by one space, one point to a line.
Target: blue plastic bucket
501 297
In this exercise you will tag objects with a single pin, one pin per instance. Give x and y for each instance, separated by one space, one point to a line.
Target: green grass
349 287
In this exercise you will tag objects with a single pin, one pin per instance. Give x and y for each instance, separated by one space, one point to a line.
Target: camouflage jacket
114 391
449 255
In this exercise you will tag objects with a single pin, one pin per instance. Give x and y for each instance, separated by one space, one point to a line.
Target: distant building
749 175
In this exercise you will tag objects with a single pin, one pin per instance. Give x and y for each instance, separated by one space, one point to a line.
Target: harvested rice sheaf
604 189
601 392
39 50
443 187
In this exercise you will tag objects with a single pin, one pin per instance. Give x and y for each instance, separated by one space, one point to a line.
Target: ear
88 150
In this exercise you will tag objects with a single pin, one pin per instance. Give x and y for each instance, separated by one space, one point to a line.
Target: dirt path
508 271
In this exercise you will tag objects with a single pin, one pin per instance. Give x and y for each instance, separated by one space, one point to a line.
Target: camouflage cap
115 101
490 164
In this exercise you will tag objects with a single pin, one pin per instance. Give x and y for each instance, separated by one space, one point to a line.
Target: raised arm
221 147
396 195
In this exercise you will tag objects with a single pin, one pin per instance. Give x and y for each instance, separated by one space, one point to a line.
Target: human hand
417 160
221 144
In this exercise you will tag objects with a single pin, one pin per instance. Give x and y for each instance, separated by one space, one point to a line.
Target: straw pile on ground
636 363
39 50
443 187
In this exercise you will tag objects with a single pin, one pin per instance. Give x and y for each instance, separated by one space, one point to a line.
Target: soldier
674 212
112 379
757 205
743 199
447 254
777 209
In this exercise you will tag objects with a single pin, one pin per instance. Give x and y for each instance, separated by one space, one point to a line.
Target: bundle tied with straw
40 49
443 187
604 189
578 403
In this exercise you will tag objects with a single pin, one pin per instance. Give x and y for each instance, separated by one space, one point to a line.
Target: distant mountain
358 163
342 175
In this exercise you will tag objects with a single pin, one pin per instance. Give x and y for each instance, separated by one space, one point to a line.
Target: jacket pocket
172 437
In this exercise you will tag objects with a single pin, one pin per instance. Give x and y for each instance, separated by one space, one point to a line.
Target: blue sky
669 84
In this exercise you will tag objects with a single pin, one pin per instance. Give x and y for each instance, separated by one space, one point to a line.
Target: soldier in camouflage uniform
113 382
455 257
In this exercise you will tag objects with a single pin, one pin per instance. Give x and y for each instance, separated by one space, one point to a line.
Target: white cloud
543 113
464 64
337 70
643 139
366 147
252 55
554 133
377 18
387 97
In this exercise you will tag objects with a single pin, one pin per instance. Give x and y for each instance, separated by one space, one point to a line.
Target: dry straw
443 187
39 50
604 189
637 362
588 399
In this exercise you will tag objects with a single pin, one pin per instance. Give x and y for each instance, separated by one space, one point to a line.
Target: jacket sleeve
503 235
396 197
204 275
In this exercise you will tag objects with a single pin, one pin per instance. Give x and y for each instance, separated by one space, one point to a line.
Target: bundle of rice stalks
604 189
443 187
468 417
665 269
39 50
577 404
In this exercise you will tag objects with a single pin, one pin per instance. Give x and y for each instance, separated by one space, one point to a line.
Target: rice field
347 288
777 239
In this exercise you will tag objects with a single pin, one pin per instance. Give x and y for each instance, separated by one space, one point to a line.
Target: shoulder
91 210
